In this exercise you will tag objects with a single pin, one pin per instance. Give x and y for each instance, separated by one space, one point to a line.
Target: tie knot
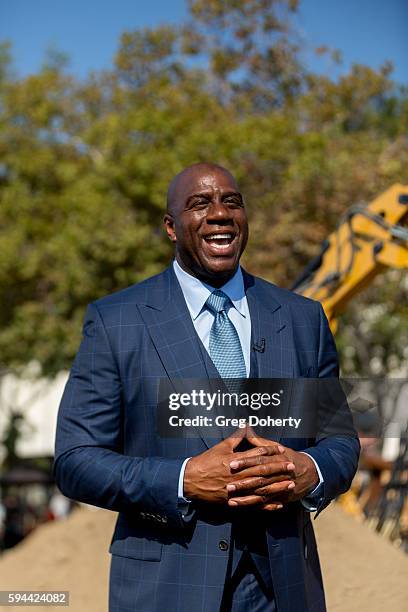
217 301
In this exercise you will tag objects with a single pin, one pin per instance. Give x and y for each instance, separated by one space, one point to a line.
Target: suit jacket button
223 545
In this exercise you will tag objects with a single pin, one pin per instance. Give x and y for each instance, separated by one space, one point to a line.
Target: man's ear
169 227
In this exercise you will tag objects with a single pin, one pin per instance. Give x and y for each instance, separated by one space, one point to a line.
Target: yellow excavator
367 240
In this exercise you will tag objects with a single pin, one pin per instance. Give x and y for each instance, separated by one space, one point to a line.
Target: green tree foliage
84 165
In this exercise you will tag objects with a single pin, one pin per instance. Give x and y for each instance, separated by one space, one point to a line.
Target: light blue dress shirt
195 294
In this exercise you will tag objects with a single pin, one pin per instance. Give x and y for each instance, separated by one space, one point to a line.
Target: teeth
219 237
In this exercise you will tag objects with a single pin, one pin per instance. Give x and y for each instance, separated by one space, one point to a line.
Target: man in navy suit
211 524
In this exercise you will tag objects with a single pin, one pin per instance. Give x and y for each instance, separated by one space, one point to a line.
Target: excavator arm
368 239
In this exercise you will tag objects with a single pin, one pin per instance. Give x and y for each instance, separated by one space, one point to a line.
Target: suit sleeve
89 463
337 446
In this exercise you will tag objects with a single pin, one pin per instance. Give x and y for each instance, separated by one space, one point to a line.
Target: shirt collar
196 292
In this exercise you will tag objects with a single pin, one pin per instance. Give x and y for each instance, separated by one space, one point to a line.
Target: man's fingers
256 440
254 454
275 488
272 506
260 485
245 432
265 495
265 464
248 500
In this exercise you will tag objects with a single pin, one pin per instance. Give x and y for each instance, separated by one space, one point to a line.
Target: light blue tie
225 347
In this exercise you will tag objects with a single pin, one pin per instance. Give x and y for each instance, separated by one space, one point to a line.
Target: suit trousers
246 590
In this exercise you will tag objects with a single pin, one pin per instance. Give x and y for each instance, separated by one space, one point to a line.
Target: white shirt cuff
183 503
312 499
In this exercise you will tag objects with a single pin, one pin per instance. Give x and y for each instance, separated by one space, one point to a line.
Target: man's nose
218 211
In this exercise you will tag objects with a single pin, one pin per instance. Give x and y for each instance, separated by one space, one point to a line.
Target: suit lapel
169 324
271 335
271 332
172 331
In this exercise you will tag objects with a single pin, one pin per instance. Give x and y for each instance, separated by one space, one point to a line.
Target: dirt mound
68 555
362 571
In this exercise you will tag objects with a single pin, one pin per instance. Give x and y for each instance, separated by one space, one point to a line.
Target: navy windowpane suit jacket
108 453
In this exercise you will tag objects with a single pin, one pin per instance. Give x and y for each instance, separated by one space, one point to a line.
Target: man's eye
233 202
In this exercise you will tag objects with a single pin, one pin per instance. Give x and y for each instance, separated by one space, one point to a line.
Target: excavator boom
368 239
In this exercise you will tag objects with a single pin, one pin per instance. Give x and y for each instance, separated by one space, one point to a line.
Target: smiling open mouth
220 243
219 239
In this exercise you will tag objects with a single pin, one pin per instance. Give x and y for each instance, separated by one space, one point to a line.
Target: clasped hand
266 476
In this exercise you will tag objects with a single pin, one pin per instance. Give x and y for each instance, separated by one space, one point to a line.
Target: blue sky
365 31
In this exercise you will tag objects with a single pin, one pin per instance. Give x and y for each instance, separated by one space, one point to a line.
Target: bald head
190 174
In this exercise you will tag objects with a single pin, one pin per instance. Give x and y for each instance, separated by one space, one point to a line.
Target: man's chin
214 271
220 270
